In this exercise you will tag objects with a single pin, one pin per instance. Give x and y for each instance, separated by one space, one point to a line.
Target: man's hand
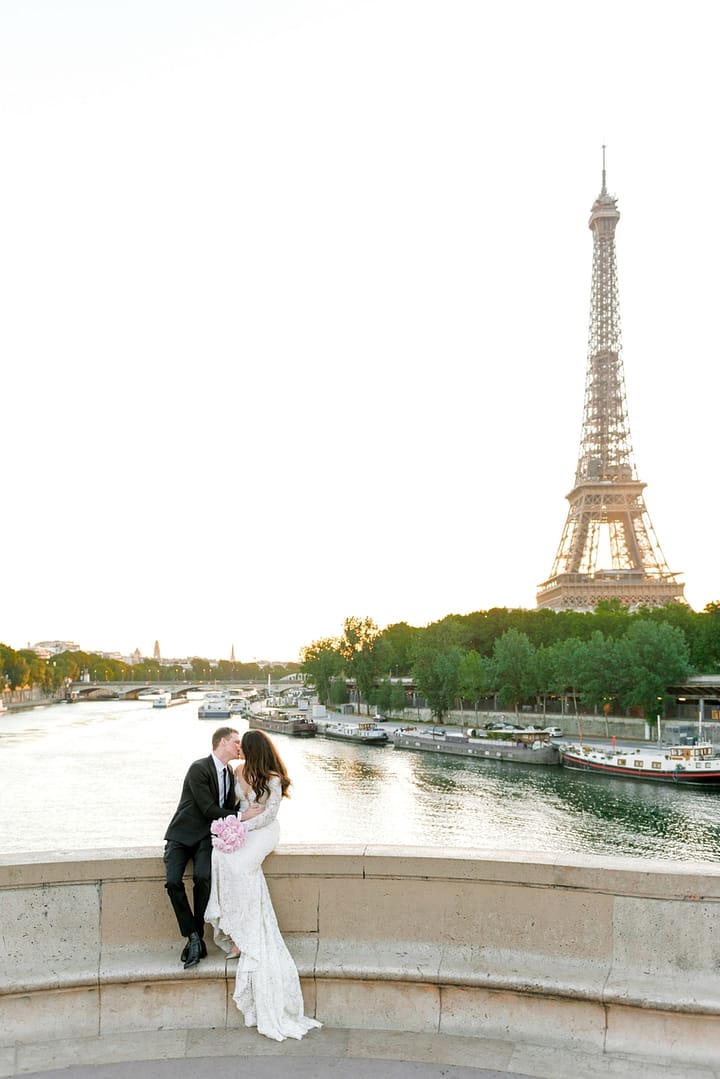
251 811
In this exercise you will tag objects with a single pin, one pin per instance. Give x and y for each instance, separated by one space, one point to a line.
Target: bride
267 987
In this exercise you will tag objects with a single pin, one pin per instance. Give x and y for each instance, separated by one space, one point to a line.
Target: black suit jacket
199 803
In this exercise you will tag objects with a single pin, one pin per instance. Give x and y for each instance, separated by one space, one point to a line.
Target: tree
652 657
512 668
707 657
358 648
598 672
437 675
320 662
473 676
398 643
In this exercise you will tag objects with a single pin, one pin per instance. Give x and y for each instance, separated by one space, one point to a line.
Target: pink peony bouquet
228 834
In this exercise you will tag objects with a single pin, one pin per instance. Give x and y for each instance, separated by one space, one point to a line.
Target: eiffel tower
607 499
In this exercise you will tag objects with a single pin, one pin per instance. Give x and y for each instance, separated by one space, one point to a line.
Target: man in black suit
208 793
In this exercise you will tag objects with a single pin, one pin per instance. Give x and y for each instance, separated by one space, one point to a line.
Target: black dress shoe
194 951
186 951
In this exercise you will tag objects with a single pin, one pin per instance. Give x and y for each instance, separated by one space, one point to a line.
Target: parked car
554 732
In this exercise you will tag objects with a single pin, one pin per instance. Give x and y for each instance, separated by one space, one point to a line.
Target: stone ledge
617 956
410 963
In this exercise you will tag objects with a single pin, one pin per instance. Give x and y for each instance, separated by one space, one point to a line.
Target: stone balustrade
609 957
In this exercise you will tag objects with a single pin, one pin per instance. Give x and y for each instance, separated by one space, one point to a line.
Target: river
96 775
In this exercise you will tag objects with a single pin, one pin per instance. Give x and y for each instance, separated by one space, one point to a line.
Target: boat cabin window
639 764
621 760
657 765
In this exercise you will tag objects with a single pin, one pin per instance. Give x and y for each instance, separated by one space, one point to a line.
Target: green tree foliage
437 675
707 641
651 658
396 645
598 673
512 672
358 647
320 663
15 670
473 677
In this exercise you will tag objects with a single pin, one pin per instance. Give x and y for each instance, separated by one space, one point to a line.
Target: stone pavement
274 1068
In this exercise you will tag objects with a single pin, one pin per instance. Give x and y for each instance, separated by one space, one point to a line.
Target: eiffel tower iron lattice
607 497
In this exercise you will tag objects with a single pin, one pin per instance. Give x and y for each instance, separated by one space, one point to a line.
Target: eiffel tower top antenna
604 185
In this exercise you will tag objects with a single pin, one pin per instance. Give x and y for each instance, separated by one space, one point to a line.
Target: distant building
45 649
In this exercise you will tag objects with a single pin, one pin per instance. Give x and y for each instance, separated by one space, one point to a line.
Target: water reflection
114 771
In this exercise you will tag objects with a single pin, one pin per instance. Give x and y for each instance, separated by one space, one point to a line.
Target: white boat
367 734
697 765
166 700
218 706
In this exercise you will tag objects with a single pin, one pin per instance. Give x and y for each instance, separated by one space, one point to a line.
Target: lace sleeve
271 807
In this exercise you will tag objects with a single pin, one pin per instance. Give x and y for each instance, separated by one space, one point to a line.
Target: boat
523 746
166 700
366 734
298 726
695 765
218 706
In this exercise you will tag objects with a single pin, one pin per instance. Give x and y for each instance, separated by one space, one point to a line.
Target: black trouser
176 858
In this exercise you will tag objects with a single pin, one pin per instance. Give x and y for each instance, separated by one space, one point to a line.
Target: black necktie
223 787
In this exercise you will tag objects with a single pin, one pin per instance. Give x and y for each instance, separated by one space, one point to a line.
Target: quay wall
611 957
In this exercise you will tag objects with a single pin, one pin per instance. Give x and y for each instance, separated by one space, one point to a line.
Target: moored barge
697 765
280 723
521 747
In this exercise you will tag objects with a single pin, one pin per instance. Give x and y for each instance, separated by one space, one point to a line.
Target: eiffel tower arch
607 502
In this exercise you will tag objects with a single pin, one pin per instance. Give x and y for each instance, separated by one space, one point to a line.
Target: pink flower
228 834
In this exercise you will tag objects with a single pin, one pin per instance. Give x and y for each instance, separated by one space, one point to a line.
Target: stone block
7 1062
676 1037
135 911
383 960
51 933
43 1016
478 914
523 1018
689 932
382 1005
192 1002
295 900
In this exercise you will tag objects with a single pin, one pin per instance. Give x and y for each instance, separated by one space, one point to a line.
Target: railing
611 956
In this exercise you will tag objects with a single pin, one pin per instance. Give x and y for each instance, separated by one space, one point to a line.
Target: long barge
280 723
524 747
696 765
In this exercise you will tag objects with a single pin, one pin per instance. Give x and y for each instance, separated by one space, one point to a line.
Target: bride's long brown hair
261 761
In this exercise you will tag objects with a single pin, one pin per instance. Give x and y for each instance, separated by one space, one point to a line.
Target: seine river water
97 775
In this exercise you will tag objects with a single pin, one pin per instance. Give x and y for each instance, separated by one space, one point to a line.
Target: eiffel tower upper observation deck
607 499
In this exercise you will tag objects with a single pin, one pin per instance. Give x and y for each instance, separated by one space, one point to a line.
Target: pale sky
295 299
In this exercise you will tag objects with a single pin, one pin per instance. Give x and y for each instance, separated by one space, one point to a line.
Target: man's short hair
220 733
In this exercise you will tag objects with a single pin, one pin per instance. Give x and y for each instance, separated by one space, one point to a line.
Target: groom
208 793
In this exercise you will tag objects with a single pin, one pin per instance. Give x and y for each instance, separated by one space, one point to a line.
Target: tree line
611 659
24 668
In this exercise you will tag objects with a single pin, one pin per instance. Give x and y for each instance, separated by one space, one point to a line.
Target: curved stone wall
610 957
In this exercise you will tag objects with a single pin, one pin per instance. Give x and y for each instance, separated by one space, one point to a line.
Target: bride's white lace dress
267 987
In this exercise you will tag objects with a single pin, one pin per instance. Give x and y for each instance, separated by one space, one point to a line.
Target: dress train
240 911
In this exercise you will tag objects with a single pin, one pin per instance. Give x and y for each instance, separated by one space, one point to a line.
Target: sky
295 303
